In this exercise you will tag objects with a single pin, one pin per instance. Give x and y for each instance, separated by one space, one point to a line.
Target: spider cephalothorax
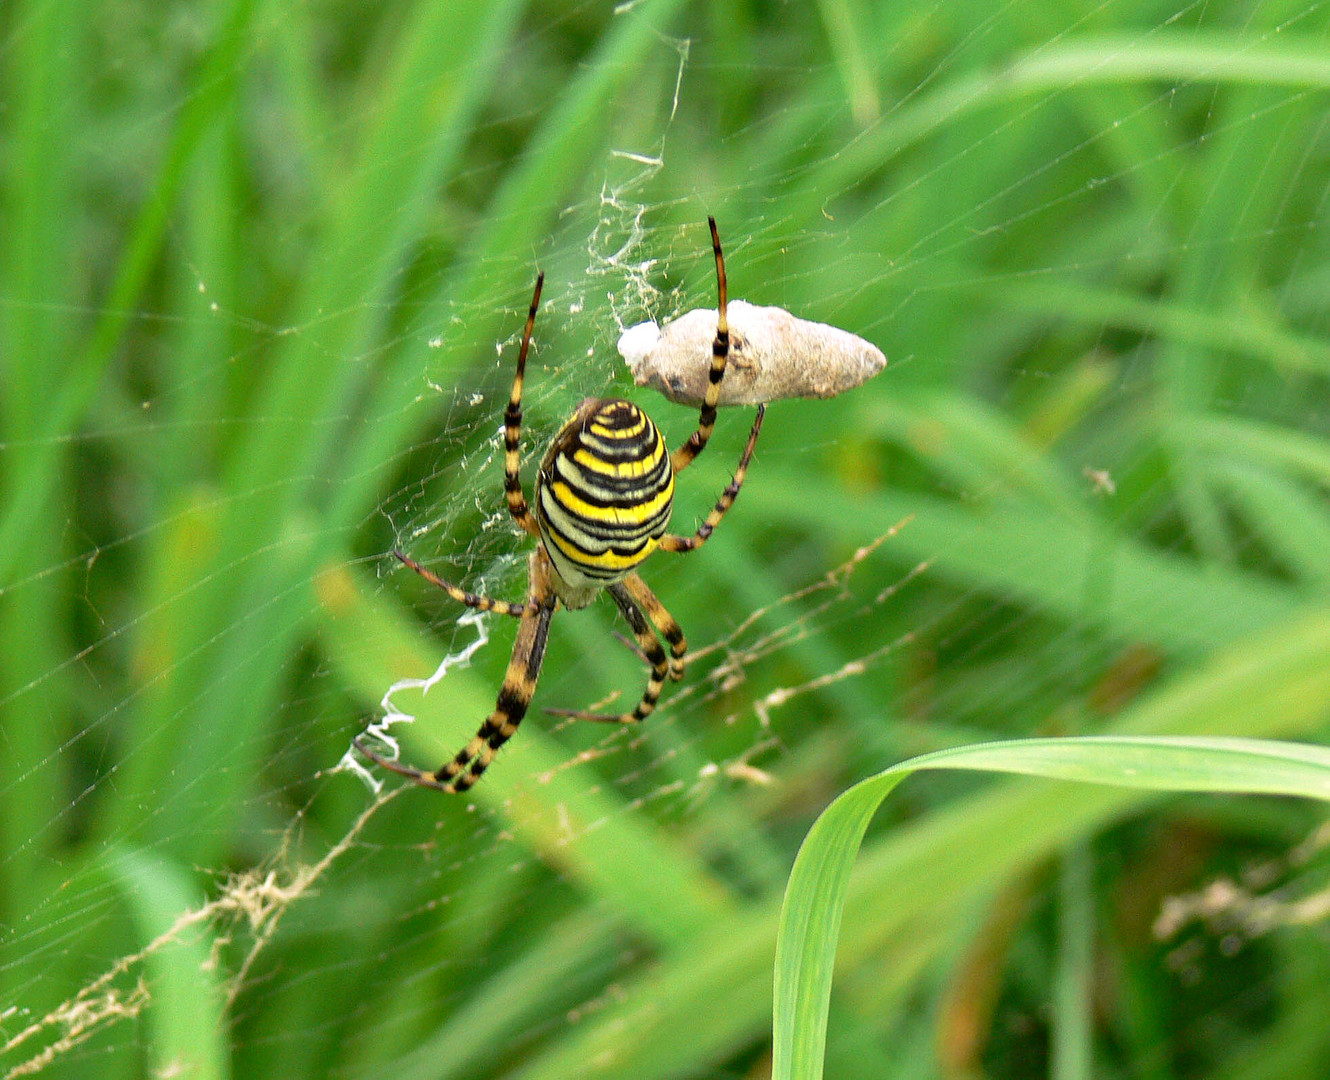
602 504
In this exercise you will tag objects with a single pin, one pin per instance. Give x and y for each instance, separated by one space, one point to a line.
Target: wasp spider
602 504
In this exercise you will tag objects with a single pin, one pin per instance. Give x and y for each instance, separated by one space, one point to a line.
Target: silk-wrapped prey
773 355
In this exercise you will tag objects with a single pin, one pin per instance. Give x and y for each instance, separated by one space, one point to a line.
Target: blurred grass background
255 260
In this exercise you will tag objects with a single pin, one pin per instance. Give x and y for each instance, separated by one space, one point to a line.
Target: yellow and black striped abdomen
604 493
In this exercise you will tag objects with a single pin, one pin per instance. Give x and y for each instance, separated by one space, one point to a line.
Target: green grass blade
815 896
1190 324
1072 1049
64 408
845 31
186 1005
38 251
1046 559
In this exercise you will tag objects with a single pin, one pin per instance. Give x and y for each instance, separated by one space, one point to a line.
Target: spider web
1090 244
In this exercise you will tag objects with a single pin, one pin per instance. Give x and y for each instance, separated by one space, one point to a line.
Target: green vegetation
255 260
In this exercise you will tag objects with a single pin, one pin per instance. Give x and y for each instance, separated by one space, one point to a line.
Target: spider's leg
670 542
419 776
631 646
720 355
512 429
655 654
665 623
519 684
470 599
470 763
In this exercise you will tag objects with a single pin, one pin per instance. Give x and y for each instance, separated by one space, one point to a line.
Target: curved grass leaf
815 896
